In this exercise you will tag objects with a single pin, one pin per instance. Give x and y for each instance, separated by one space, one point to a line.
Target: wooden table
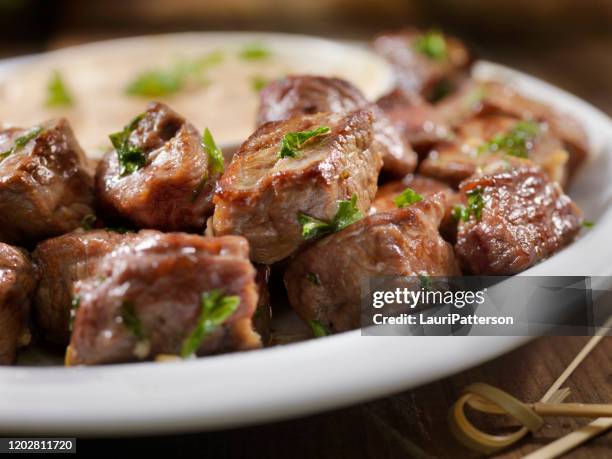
414 423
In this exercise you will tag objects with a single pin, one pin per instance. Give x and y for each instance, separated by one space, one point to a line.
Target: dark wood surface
414 423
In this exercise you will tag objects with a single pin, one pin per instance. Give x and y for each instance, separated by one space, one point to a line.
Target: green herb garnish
130 319
432 44
313 278
254 52
131 157
407 197
21 141
58 94
318 329
215 308
514 143
215 155
88 221
347 214
258 83
425 281
588 224
475 204
292 142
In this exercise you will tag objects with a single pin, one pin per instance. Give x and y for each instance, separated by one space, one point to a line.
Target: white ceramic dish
302 378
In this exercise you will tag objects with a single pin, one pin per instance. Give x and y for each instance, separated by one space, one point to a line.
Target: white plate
302 378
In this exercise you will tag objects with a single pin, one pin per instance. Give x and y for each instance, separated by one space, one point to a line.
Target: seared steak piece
493 98
513 219
261 193
172 293
159 175
61 262
425 63
493 138
307 95
425 186
45 186
324 281
416 120
17 280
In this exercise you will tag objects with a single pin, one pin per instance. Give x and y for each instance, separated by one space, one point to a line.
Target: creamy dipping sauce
224 98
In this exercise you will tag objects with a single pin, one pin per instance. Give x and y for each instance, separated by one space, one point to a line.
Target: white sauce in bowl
97 75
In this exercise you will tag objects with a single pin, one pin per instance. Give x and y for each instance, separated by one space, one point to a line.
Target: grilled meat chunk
417 121
171 293
515 218
61 262
159 175
307 95
496 138
425 63
45 186
494 98
17 280
425 186
324 280
261 194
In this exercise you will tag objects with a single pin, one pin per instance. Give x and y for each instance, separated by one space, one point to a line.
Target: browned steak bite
45 186
159 175
324 281
493 98
425 63
61 262
278 173
17 280
512 220
307 95
416 120
497 138
160 294
388 198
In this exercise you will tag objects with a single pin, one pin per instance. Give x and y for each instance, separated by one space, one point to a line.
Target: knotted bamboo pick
488 399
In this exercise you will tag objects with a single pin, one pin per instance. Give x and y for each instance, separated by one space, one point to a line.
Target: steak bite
324 281
61 262
161 294
275 177
387 195
487 139
494 98
159 175
17 280
513 219
307 95
417 121
45 186
425 63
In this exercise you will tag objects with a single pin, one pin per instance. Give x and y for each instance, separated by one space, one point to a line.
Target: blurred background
568 42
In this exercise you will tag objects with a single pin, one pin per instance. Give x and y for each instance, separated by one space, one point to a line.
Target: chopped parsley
517 142
347 214
588 224
130 319
88 221
425 281
215 155
254 52
258 82
75 304
131 157
58 94
292 142
313 278
318 329
215 308
22 141
432 44
407 197
475 204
